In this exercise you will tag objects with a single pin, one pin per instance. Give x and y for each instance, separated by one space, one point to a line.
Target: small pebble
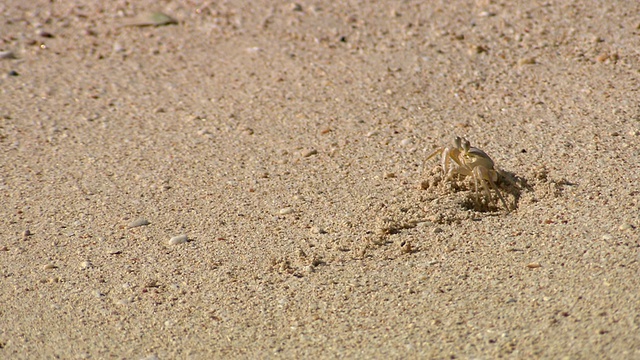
117 47
139 222
437 230
405 142
151 19
625 227
389 175
317 230
43 33
526 61
533 265
7 55
602 57
26 233
180 239
152 284
285 211
407 248
85 264
49 267
477 49
309 153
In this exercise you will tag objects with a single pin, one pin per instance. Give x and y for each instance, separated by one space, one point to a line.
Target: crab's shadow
511 186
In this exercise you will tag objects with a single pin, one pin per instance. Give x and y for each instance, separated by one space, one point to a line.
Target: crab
465 160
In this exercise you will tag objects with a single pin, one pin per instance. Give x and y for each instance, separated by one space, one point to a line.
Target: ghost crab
466 160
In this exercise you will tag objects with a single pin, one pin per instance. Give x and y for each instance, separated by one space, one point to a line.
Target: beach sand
287 143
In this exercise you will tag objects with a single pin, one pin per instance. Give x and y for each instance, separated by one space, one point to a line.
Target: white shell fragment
7 55
180 239
309 152
139 222
151 19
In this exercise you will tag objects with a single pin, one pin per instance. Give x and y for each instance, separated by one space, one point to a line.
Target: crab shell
474 157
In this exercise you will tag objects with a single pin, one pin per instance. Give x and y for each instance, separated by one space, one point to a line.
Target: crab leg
485 174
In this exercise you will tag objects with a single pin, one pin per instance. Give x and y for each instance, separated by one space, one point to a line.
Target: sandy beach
251 181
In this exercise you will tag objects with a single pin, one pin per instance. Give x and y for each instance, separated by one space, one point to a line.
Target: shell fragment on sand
180 239
151 19
139 222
